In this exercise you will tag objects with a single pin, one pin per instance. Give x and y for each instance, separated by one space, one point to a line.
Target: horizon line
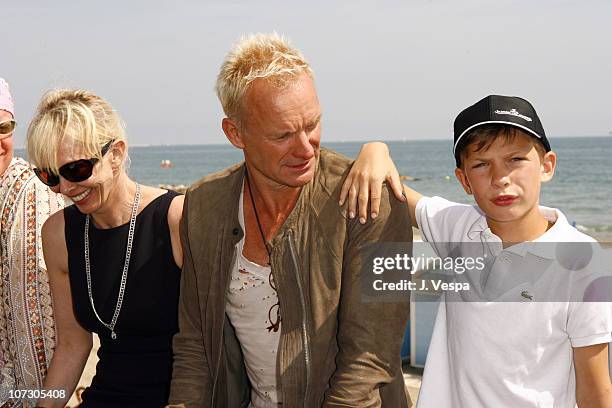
340 141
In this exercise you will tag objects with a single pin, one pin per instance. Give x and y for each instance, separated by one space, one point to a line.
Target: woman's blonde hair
256 56
71 116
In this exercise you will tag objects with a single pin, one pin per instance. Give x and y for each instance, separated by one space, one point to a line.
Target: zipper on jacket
289 235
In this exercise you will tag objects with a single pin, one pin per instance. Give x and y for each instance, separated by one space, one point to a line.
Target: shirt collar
481 231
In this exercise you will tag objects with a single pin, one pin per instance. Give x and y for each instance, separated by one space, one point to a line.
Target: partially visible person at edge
114 257
270 310
27 329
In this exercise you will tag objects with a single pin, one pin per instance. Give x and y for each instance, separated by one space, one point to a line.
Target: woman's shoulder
56 220
52 232
175 211
149 194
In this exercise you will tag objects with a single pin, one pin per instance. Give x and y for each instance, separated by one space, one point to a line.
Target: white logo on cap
513 112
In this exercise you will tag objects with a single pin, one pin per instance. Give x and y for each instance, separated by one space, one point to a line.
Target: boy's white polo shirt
502 354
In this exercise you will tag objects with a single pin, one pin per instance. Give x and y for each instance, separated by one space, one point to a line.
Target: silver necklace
128 252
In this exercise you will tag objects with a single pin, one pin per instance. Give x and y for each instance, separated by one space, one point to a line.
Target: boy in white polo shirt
511 351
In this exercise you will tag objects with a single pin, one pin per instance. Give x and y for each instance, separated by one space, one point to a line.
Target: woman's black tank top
135 369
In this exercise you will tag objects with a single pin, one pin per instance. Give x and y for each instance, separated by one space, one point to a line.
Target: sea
581 187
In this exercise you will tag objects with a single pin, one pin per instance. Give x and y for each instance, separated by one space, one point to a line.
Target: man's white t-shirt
504 354
250 305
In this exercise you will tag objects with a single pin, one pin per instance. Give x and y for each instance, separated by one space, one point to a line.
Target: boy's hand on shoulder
363 185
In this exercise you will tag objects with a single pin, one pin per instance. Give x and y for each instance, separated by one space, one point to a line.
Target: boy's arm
593 388
413 198
364 183
589 327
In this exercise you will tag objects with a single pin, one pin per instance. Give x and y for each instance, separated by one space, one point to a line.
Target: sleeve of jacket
370 334
190 374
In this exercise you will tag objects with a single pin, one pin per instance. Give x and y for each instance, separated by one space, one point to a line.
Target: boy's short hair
497 111
484 136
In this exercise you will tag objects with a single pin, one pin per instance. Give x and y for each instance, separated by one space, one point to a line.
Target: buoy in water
166 164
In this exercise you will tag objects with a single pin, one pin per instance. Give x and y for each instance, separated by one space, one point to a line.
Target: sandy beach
412 376
88 372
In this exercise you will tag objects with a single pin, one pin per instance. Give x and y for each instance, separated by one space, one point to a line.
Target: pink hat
6 101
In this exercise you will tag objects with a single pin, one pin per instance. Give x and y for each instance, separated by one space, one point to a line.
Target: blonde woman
114 257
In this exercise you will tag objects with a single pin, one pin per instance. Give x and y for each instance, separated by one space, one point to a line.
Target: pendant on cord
113 335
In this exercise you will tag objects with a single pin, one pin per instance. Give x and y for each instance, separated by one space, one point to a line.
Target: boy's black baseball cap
498 109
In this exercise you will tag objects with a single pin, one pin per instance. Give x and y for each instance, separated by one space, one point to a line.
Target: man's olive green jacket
335 350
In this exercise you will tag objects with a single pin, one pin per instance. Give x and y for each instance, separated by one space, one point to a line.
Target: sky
385 70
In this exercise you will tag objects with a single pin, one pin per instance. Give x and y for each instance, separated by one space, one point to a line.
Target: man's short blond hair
267 56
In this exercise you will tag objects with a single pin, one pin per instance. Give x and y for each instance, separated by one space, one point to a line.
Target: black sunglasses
78 170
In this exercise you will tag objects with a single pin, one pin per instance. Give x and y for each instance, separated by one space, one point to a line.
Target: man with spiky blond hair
271 308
